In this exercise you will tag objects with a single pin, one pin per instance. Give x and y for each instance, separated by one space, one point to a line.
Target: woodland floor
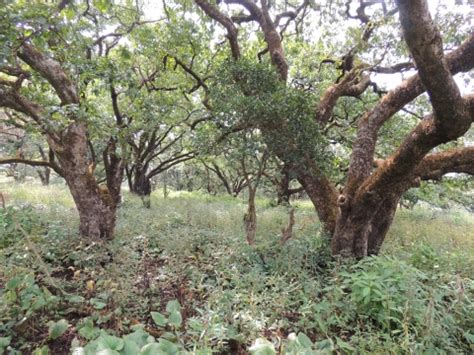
58 293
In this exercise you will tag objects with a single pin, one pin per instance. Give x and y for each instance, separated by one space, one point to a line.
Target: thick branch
435 165
460 60
425 44
52 71
451 116
225 21
272 38
351 85
49 164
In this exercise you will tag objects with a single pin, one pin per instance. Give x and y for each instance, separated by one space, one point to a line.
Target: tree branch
435 165
52 71
459 60
225 21
48 164
451 118
272 38
353 84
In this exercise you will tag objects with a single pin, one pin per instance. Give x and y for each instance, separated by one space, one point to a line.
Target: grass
189 248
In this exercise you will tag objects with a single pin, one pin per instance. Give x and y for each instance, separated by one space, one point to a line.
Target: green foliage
22 302
178 278
450 192
251 95
137 342
174 319
56 329
386 292
14 222
262 347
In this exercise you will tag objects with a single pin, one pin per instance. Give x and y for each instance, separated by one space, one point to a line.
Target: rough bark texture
287 232
96 204
141 186
250 217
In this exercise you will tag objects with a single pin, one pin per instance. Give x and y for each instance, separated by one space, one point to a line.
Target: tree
160 101
152 154
358 215
229 173
49 83
281 179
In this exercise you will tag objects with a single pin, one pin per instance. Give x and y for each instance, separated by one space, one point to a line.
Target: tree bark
45 173
96 204
141 186
361 228
369 201
283 188
250 217
44 176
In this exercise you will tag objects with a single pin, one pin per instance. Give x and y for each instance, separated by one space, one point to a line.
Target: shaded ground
190 248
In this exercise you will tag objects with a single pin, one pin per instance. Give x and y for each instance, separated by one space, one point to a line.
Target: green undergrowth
178 278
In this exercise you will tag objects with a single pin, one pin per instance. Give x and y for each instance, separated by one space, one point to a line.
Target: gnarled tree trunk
96 204
141 186
250 217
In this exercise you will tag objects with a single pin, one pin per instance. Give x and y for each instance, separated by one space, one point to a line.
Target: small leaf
44 350
167 347
107 352
262 347
365 291
12 283
4 342
305 341
111 342
158 318
173 306
325 345
139 337
150 349
88 331
56 329
97 304
76 299
130 348
345 345
175 319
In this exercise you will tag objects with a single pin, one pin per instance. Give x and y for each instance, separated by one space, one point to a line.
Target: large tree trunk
141 186
96 204
250 217
283 188
361 229
44 175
